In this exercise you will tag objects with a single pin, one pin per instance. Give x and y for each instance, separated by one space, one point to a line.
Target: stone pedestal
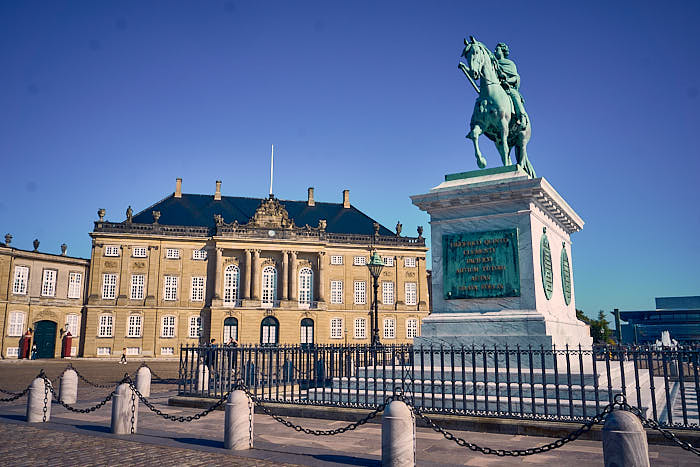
501 262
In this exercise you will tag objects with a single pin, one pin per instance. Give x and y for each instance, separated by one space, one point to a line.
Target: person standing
34 352
123 359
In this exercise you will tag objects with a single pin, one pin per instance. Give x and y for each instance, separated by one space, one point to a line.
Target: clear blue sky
104 104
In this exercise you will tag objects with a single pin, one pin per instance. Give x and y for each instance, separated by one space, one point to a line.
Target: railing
552 384
152 229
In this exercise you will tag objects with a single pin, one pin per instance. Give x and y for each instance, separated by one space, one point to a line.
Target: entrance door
307 333
45 339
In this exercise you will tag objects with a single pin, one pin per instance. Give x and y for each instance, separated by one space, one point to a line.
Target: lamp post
375 267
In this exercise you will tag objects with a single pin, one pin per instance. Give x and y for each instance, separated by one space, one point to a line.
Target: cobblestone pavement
84 439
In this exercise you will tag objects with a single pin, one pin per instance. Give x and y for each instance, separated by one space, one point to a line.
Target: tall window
16 326
336 328
134 328
307 332
411 328
231 279
410 290
388 293
305 285
360 293
73 324
269 286
137 281
170 288
106 326
172 253
269 331
139 252
195 324
198 284
389 328
109 286
199 254
336 291
409 262
111 250
360 328
48 283
167 328
75 284
230 329
21 277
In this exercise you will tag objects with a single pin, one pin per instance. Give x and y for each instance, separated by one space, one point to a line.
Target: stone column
285 274
217 277
293 295
321 276
246 276
256 275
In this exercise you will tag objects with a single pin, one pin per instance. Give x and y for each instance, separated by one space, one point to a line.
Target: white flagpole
272 162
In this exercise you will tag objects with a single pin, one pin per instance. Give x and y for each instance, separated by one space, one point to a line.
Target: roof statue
499 111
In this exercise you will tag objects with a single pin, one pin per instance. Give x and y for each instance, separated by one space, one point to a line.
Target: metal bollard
238 428
68 390
123 409
143 381
398 436
39 399
624 441
203 378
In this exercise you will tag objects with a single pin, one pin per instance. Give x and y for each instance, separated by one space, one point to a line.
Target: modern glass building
680 316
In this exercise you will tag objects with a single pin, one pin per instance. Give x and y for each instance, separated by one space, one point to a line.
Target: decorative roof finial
101 212
36 244
8 239
64 248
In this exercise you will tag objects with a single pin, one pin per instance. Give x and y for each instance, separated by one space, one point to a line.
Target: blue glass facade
680 316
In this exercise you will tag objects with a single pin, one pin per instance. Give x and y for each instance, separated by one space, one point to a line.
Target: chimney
217 195
346 198
178 187
311 201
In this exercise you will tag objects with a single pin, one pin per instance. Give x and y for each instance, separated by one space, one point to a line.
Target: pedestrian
123 359
34 352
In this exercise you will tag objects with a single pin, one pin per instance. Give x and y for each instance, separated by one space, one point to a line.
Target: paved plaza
85 439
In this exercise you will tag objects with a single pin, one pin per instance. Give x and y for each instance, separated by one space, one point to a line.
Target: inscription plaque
546 265
481 264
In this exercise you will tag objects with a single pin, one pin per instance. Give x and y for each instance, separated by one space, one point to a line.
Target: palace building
194 267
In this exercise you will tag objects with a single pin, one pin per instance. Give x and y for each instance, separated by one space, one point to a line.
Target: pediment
271 214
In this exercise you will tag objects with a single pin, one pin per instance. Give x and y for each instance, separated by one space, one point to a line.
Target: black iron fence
553 384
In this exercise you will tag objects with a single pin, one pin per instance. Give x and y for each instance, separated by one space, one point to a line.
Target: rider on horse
510 80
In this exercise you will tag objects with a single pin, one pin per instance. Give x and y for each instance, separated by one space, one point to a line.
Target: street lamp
375 267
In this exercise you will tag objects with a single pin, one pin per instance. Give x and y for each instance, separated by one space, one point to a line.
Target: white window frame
73 324
167 326
199 255
389 328
109 286
336 328
410 293
195 324
15 325
48 283
138 282
111 250
167 350
409 262
388 295
105 326
232 278
172 253
170 288
104 351
388 261
306 286
139 252
19 286
12 352
199 285
75 284
360 328
133 351
412 328
337 292
268 286
359 261
336 259
306 334
135 326
360 292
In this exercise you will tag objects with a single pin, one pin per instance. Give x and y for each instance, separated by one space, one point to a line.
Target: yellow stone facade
42 292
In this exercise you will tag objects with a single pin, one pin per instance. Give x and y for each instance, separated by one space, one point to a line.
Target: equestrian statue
499 111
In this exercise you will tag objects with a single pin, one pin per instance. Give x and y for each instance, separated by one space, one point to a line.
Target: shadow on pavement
21 418
200 442
98 428
349 460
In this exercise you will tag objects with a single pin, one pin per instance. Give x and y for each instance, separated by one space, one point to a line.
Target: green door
45 339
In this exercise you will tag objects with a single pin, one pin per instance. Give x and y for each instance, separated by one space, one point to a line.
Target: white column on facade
285 274
321 276
217 277
246 280
256 275
293 278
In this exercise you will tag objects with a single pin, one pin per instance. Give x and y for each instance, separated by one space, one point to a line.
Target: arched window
306 281
269 331
269 286
307 332
231 280
230 329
